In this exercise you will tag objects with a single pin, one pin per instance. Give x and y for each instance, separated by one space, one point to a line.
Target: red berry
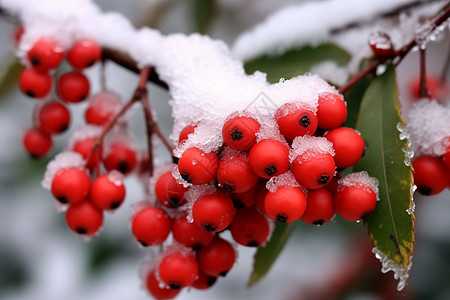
217 258
354 199
46 54
34 83
84 147
204 281
84 53
102 107
430 175
313 170
333 184
348 146
189 234
84 218
197 167
151 226
121 158
169 192
381 44
54 117
73 87
213 212
235 174
245 199
108 191
178 269
435 87
286 204
239 132
71 185
249 227
156 290
184 134
37 143
269 158
295 120
319 207
331 111
261 192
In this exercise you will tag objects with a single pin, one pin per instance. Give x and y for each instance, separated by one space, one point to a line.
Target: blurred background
40 258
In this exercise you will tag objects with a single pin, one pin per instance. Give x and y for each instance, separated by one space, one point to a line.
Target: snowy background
41 259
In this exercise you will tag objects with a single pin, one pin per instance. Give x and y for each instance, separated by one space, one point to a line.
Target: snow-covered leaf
390 226
297 61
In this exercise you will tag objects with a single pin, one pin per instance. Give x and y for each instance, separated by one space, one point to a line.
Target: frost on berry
115 177
361 180
63 160
82 133
309 146
102 106
269 130
156 174
195 192
285 179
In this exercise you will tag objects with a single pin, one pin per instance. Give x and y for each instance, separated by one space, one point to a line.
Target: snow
401 272
360 179
83 133
308 146
66 159
285 179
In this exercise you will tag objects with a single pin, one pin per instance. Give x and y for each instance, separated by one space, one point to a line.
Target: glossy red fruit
197 167
430 175
108 191
178 269
151 226
46 54
261 192
120 157
269 158
249 227
331 111
71 185
189 234
319 207
84 53
84 147
184 134
73 87
313 170
348 146
239 133
156 290
381 44
234 173
287 204
54 118
102 107
295 120
245 199
354 202
333 184
204 281
217 258
34 83
37 143
84 218
213 212
169 192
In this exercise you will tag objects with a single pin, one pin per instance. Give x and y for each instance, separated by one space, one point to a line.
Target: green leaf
297 61
203 10
390 227
353 97
9 78
266 256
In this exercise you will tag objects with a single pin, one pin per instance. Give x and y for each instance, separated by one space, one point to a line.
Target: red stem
423 90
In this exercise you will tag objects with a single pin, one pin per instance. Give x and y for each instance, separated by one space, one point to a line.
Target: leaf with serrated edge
390 226
266 256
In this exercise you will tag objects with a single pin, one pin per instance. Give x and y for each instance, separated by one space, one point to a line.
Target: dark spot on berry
364 152
186 177
174 201
318 222
90 63
282 218
63 128
123 166
197 246
175 159
223 273
304 121
81 230
238 203
236 134
211 280
30 93
426 191
228 187
144 244
366 214
175 285
34 156
323 179
209 227
115 205
270 170
62 199
35 61
253 243
83 97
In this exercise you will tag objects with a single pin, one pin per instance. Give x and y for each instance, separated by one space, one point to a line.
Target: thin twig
446 65
423 89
